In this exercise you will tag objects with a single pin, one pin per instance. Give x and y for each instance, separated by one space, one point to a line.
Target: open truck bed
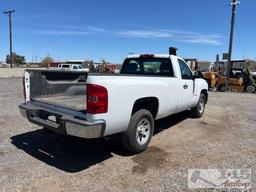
56 100
58 88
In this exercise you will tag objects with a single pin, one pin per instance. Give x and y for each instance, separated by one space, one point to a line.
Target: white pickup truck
149 87
71 67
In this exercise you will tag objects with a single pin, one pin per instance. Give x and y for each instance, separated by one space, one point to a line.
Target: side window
65 66
75 67
185 71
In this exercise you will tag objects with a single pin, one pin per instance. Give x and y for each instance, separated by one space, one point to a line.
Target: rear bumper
62 123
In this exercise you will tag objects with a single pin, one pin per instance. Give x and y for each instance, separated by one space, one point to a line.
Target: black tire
46 130
198 111
221 88
250 88
131 136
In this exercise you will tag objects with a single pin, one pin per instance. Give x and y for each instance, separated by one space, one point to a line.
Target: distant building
204 65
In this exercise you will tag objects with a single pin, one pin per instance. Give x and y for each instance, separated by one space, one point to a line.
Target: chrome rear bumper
64 124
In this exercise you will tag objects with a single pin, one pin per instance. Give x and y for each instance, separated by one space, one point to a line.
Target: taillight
97 99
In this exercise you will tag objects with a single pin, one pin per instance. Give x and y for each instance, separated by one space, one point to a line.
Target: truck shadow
72 154
168 122
69 154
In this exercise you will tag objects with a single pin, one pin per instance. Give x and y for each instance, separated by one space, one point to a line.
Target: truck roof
155 55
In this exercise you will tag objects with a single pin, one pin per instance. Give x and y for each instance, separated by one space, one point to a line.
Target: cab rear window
148 66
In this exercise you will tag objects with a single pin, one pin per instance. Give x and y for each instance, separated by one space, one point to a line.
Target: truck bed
61 88
58 88
75 102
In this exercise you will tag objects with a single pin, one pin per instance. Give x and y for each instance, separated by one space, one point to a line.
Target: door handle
185 86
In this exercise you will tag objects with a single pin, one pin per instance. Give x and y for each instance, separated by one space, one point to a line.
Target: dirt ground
34 160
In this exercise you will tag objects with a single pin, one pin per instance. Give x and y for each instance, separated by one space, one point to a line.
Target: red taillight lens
97 99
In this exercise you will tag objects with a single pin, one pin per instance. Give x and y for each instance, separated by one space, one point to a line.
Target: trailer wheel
250 89
139 133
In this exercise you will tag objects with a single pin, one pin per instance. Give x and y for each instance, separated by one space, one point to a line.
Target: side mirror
198 74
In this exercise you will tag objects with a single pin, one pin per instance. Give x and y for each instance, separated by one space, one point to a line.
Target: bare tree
46 61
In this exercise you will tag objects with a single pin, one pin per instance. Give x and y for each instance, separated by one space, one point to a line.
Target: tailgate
59 88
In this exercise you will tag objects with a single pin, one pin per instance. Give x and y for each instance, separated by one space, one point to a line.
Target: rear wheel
198 111
139 133
47 130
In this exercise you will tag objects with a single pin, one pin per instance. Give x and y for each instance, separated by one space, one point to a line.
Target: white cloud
144 34
198 38
183 36
71 30
95 29
61 32
175 35
202 40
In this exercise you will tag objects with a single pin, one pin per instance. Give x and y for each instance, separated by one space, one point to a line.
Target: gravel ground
34 160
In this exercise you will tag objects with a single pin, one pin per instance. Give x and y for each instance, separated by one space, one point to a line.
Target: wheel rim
201 105
143 131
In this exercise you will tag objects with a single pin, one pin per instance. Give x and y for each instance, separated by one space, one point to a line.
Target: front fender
201 85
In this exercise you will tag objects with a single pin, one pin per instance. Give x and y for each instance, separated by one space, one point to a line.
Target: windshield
148 66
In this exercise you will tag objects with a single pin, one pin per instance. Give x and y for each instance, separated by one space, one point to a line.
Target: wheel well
205 94
149 103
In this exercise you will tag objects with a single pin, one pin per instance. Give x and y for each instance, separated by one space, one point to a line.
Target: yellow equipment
211 78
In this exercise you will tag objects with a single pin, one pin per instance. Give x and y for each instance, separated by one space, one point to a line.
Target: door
186 86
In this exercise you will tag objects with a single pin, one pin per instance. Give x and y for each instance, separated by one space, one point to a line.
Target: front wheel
198 110
139 133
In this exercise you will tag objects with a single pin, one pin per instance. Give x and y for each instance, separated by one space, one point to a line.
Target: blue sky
83 29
